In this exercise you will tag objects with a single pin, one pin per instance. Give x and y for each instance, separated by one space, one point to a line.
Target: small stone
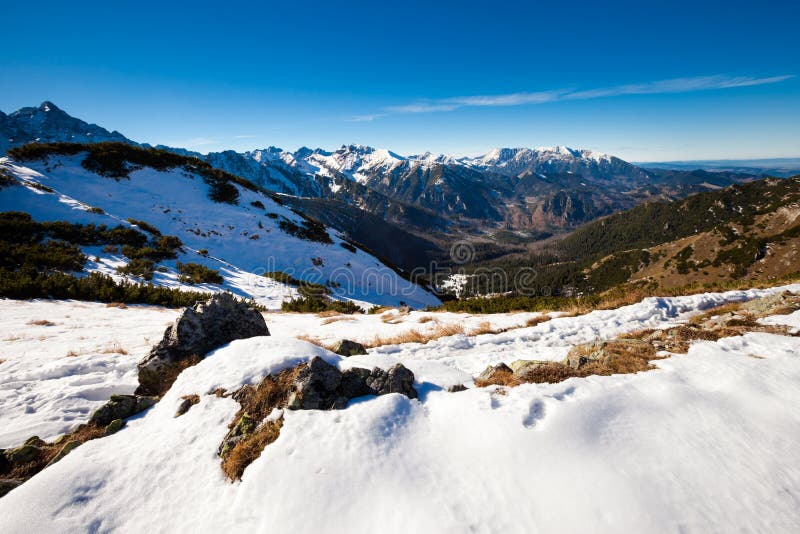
36 441
23 454
345 347
187 402
580 355
121 407
66 449
114 426
491 370
117 407
455 388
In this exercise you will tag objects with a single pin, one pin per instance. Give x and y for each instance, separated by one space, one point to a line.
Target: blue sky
647 80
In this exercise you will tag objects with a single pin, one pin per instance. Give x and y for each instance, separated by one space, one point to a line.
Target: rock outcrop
321 386
200 329
312 385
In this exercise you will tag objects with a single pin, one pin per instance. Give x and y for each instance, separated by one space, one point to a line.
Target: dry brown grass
415 336
48 451
113 348
499 378
394 318
328 313
425 319
337 318
313 340
41 322
484 327
120 305
250 448
257 402
72 354
533 321
619 358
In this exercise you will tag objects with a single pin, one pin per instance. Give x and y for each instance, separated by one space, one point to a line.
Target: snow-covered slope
705 442
242 241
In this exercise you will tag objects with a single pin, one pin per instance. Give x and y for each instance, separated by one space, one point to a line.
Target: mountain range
427 198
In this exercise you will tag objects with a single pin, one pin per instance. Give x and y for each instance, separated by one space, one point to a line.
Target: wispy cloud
365 118
675 85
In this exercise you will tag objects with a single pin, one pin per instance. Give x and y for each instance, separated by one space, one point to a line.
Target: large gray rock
398 379
781 303
321 386
316 386
354 383
200 329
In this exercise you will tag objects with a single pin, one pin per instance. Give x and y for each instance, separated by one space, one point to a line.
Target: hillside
222 222
744 232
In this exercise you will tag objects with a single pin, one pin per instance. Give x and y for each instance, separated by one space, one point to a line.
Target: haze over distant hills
781 167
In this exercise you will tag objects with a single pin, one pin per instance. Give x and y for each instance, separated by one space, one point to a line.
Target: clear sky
646 80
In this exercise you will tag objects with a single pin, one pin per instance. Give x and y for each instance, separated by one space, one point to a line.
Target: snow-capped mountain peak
48 123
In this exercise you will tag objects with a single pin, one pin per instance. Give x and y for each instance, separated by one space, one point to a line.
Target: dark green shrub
194 273
141 267
146 227
308 288
310 231
223 192
28 284
41 256
317 305
6 179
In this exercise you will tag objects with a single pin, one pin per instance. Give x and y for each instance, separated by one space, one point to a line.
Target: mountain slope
243 234
47 124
